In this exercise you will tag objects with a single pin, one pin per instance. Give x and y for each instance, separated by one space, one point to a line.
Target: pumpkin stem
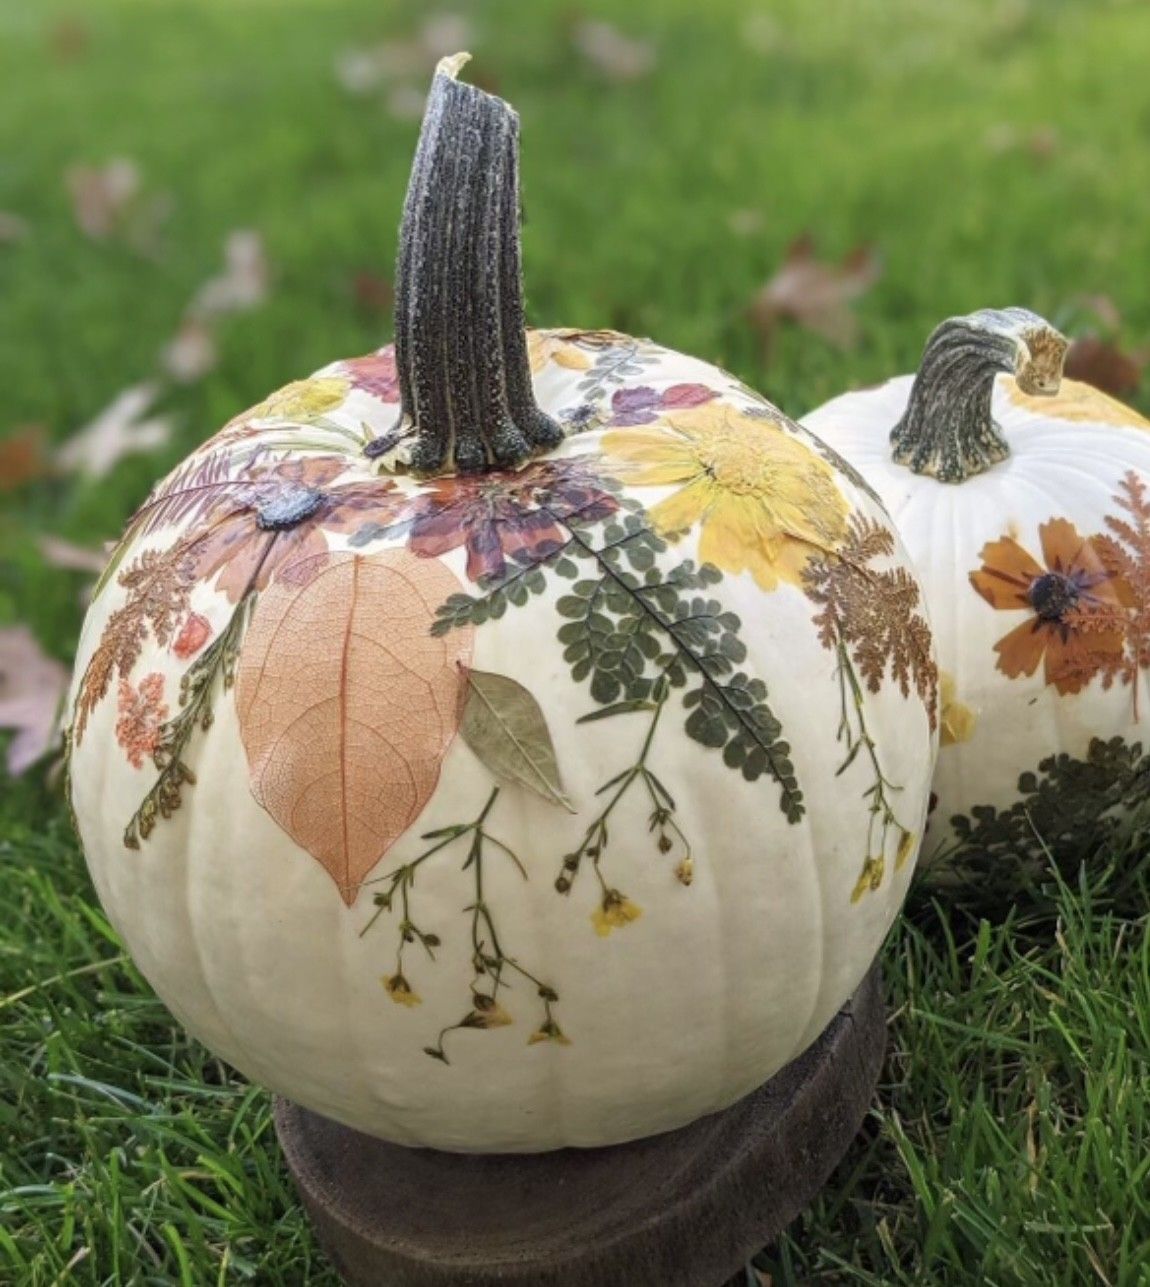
460 339
947 430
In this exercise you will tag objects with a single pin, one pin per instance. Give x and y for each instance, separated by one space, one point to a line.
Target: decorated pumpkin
510 739
1024 500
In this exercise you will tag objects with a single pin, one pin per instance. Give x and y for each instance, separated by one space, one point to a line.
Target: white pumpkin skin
1071 457
677 1013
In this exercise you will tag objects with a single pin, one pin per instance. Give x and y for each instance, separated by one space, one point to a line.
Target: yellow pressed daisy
400 991
766 501
616 911
958 720
303 399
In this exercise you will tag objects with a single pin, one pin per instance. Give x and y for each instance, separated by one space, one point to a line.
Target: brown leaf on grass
814 294
362 69
58 553
347 703
32 686
1104 365
69 38
12 227
191 353
110 201
23 457
1040 142
615 56
372 292
745 222
121 429
243 283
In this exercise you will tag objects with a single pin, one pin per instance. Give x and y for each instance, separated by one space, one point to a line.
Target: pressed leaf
503 725
347 703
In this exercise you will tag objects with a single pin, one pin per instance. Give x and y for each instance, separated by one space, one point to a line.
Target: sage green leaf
504 726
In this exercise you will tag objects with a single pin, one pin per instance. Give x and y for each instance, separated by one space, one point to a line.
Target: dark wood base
685 1209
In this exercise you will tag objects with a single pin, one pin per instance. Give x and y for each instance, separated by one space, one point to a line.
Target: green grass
1011 1140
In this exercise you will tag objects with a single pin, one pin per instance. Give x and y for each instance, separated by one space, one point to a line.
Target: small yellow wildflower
905 849
488 1013
958 720
870 878
615 912
549 1031
400 990
685 871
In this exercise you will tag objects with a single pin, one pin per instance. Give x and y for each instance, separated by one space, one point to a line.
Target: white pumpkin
1025 508
691 679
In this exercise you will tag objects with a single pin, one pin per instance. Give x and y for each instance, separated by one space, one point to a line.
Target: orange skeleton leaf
348 704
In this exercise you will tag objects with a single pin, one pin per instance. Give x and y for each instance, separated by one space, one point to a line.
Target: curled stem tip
948 431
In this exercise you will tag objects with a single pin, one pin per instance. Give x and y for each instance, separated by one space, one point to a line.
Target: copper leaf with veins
347 703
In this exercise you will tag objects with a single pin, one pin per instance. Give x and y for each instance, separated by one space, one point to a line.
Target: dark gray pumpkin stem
947 430
460 343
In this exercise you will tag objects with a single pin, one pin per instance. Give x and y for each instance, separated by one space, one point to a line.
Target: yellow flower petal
766 500
303 399
650 456
1078 402
400 991
870 878
615 912
683 509
905 849
958 720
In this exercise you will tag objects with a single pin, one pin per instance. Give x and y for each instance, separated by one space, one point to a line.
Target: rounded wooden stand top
685 1209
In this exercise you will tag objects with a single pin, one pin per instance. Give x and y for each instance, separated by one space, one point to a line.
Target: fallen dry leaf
406 102
32 686
121 429
243 283
814 294
372 292
101 195
23 457
361 70
1102 307
615 56
346 760
12 227
110 201
66 556
1104 365
745 222
69 38
1040 141
191 353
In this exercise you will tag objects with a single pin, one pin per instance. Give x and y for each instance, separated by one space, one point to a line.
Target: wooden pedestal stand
685 1209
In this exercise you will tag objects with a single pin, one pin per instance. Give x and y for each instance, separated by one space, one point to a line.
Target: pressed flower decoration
1074 606
480 660
1023 498
766 501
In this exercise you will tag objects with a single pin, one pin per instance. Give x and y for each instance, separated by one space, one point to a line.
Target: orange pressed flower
141 715
1075 622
